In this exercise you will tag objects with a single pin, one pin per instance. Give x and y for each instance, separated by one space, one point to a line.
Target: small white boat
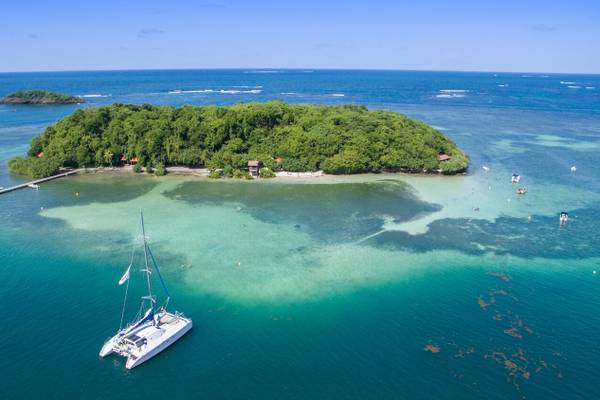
573 168
564 218
33 186
516 178
155 329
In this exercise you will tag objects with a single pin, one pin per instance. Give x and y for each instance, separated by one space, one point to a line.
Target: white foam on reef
222 91
590 87
94 95
288 93
574 87
568 82
503 85
449 96
451 93
191 91
229 91
338 95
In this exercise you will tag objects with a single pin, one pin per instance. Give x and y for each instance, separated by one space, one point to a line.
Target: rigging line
124 303
139 313
128 279
162 282
146 258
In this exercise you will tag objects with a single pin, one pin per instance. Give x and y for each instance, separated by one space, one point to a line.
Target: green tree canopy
338 139
40 97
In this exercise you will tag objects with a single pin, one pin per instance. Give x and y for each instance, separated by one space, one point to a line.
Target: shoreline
202 172
279 175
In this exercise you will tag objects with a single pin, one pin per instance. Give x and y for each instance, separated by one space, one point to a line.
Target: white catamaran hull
143 341
108 347
134 362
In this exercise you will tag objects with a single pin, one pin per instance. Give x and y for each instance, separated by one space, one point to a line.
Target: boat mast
147 269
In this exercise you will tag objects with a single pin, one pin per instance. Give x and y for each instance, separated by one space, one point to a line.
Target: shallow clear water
323 288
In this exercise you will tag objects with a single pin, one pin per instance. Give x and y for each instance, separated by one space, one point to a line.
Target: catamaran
154 328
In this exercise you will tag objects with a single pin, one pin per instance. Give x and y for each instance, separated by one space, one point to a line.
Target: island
40 97
344 139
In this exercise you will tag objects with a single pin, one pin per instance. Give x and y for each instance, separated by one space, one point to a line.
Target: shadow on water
331 212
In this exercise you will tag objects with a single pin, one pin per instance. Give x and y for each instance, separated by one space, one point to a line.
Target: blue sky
482 35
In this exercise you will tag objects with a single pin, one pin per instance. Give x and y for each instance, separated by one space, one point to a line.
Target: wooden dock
36 182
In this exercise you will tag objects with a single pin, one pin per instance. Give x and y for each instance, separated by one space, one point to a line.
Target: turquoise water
323 288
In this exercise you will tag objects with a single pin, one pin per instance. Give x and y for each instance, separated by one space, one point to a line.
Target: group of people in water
516 178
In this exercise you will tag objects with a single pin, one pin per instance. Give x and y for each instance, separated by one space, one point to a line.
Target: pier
42 180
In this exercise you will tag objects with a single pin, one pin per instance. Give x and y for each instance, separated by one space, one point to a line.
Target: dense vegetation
39 97
266 173
34 167
341 140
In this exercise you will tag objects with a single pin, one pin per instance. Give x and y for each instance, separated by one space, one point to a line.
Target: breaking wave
453 91
222 91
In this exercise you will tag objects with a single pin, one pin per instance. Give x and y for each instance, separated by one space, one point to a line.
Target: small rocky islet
40 97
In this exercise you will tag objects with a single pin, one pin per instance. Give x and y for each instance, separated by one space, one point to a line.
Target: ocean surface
374 286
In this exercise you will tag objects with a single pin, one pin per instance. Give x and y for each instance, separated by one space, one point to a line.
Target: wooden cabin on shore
254 167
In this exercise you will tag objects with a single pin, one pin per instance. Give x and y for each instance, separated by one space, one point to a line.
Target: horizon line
296 69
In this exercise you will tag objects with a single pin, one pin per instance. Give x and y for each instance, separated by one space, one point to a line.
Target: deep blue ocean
376 286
